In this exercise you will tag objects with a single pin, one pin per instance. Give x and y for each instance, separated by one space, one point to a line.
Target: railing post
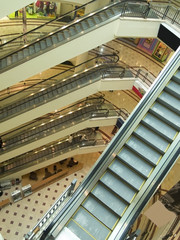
71 189
166 11
175 16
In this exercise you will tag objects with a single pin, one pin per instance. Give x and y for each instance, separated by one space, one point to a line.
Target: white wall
117 28
10 6
109 121
60 102
84 150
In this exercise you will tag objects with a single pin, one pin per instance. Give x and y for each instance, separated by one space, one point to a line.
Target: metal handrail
123 3
61 74
101 68
88 114
36 229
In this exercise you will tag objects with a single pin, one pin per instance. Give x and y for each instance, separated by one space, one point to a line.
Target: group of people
47 8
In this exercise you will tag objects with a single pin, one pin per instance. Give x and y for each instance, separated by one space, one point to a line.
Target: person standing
1 143
16 13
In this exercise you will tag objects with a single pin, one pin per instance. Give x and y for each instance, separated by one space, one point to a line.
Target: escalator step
31 50
84 25
127 174
60 36
26 52
91 225
100 211
159 126
119 187
72 31
176 77
173 88
151 138
166 115
143 150
37 47
109 13
97 19
20 55
43 44
9 60
54 39
66 33
103 16
3 63
78 27
169 101
90 22
110 199
14 58
49 42
79 231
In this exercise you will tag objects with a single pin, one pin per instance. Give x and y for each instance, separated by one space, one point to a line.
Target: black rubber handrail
87 115
51 114
61 73
69 25
46 23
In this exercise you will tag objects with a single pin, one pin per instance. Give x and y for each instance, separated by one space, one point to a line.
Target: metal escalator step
9 60
103 16
173 88
110 199
100 211
119 187
31 50
116 9
60 36
43 44
97 19
109 13
90 22
49 42
127 174
143 150
166 115
26 52
20 55
159 126
78 27
66 33
66 234
90 224
78 231
151 138
3 63
37 47
54 39
169 101
72 31
176 77
84 25
14 58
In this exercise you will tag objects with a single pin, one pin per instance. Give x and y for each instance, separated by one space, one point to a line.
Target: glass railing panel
59 90
50 26
47 152
57 124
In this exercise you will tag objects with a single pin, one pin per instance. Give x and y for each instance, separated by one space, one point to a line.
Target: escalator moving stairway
130 169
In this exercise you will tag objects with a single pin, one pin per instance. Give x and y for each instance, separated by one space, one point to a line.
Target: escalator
60 45
92 112
129 171
63 91
82 142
